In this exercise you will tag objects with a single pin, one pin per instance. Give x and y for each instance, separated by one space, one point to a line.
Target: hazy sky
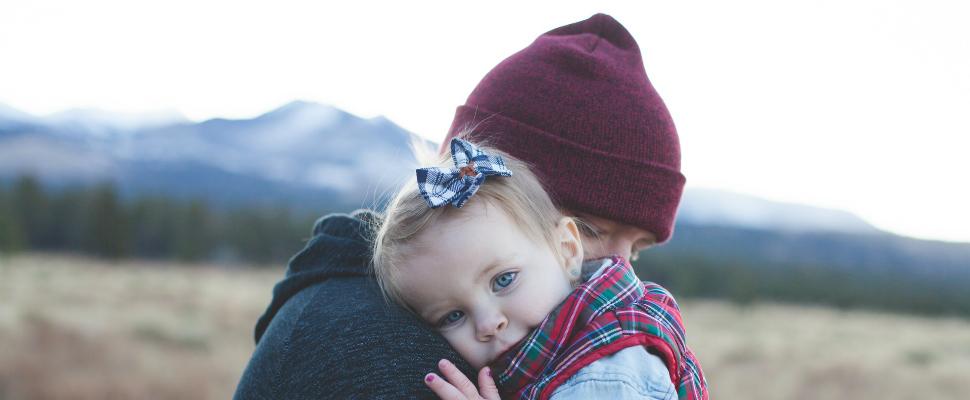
856 105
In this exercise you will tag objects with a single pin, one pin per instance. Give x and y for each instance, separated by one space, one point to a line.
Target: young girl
499 272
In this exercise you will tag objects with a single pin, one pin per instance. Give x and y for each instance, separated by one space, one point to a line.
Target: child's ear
570 247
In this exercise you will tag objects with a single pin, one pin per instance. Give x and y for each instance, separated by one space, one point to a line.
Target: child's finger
458 379
442 388
486 384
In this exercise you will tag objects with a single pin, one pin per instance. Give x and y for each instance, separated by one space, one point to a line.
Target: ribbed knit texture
577 105
328 333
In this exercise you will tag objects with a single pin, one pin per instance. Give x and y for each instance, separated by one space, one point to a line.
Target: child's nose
491 326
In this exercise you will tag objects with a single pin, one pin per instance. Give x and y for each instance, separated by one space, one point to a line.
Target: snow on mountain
8 114
300 143
293 125
12 119
102 123
52 160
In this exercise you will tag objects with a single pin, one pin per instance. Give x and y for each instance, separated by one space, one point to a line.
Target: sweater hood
341 246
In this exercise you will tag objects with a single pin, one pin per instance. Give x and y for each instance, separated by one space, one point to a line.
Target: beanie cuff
625 190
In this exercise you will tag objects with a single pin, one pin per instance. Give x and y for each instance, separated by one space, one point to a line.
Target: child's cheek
535 303
464 342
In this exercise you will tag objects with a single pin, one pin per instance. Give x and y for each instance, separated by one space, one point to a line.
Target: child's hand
458 387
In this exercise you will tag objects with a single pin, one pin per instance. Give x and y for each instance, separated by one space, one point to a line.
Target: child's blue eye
503 281
451 318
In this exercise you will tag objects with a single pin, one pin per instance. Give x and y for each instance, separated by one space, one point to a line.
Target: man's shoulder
339 339
316 321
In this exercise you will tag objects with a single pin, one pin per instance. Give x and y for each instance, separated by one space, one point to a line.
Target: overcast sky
862 106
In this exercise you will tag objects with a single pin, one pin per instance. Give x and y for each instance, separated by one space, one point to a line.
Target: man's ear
570 247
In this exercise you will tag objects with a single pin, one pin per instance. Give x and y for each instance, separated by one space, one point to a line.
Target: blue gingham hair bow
440 186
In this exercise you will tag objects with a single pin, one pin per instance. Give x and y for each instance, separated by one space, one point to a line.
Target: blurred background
161 161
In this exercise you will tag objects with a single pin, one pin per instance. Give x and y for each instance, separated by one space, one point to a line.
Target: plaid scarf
611 311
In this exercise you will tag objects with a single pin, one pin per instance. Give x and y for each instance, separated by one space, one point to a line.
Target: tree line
96 220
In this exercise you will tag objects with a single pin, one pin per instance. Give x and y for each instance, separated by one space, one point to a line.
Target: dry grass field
75 328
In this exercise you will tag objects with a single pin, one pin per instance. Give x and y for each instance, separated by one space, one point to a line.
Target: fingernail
429 378
488 371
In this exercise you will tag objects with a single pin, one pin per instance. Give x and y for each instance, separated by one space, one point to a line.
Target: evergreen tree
106 224
30 208
65 219
11 232
153 226
194 235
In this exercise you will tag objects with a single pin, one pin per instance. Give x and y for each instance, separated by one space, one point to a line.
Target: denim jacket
631 373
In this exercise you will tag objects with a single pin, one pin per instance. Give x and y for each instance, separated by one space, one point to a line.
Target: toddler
499 272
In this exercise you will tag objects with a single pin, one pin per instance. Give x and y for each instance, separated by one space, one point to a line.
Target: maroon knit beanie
577 105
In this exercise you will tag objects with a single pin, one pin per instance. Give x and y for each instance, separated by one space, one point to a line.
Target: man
578 106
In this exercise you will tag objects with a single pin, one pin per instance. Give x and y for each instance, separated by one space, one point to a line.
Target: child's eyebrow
493 265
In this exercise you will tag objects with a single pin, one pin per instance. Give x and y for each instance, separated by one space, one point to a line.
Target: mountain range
299 154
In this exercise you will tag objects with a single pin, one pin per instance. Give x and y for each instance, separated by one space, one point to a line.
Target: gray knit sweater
328 332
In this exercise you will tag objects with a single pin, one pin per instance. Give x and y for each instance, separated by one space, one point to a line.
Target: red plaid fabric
612 311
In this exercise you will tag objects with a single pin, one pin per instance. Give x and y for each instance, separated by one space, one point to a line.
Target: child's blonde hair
521 196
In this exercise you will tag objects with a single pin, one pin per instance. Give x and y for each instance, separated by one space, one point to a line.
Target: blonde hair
521 196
